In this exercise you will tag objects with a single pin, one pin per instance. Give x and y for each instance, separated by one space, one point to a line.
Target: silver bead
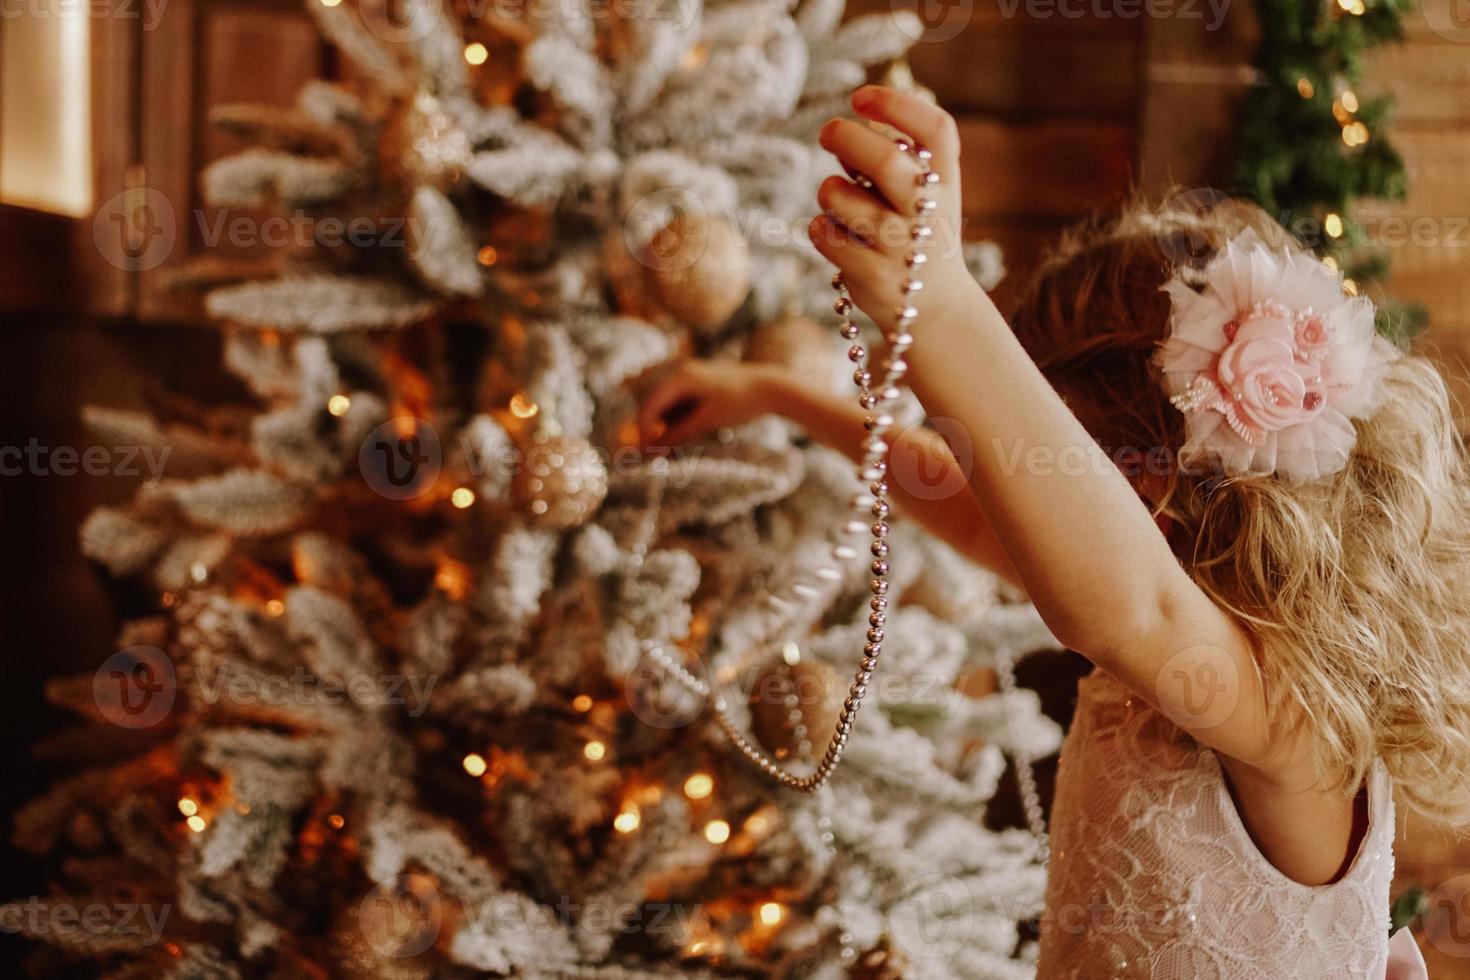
849 331
915 259
856 353
880 529
880 508
862 377
842 305
879 549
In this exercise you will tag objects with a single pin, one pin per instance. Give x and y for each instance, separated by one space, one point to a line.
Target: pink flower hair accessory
1271 361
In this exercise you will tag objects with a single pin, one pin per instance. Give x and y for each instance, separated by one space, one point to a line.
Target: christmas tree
404 708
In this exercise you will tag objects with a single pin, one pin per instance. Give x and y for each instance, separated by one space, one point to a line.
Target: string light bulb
476 53
188 807
771 913
1305 88
594 750
522 407
628 820
582 703
1333 225
1349 100
699 786
487 256
475 764
196 823
338 405
462 497
717 831
337 821
275 607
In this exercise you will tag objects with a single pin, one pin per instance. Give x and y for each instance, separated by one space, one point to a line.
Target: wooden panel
204 53
1429 80
1051 169
1014 58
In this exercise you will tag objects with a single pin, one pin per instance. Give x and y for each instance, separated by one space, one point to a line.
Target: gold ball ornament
795 342
698 269
794 707
561 483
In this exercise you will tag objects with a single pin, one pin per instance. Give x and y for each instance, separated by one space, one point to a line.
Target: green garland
1311 143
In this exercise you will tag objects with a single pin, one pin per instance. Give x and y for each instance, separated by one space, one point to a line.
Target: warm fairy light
199 571
474 764
522 407
758 824
1355 134
330 3
452 578
717 831
462 497
594 750
196 823
338 405
1350 287
791 653
1305 88
627 821
275 607
188 807
699 786
487 255
582 703
1349 101
1330 262
337 821
475 53
1333 224
771 913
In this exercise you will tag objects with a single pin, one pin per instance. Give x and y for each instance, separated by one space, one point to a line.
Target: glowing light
1350 101
337 821
476 53
1333 224
1330 262
1305 88
338 405
1355 134
487 256
758 824
1350 287
791 653
199 571
522 407
717 831
699 786
462 497
582 703
275 607
196 823
188 807
771 913
474 764
330 3
627 821
594 750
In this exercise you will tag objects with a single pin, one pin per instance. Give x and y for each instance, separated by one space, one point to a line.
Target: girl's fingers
895 174
933 127
863 214
869 274
653 424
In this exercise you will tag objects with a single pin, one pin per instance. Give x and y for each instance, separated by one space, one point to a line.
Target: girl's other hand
701 396
866 232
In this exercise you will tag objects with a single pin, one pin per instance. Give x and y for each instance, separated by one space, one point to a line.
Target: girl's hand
704 395
866 233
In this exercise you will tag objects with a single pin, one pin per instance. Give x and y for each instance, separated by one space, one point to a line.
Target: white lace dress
1153 874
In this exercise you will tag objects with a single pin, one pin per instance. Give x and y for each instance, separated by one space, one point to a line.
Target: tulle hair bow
1270 360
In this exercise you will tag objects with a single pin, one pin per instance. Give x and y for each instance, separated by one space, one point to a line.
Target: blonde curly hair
1356 588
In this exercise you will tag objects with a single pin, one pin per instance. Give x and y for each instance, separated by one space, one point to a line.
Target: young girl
1216 483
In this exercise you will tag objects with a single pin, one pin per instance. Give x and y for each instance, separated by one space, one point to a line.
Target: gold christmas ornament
795 342
698 268
794 705
561 483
